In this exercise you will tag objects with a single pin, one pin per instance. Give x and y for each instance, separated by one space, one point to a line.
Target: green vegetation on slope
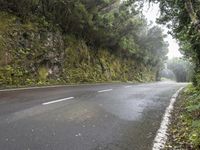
36 53
184 132
61 41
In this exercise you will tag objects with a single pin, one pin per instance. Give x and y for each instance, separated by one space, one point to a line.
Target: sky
151 12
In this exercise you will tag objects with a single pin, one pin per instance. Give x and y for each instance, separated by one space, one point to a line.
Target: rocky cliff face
38 53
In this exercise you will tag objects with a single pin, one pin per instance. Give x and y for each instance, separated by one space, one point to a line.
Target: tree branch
192 14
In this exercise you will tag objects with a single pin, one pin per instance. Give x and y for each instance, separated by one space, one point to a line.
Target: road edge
65 85
161 135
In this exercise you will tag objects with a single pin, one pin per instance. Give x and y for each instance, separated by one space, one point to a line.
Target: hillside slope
37 52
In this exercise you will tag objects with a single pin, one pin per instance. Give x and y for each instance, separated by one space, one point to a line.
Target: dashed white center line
128 86
107 90
59 100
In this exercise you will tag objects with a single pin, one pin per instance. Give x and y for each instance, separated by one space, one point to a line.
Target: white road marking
56 101
107 90
161 136
128 86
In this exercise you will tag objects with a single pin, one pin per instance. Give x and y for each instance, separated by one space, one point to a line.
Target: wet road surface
85 117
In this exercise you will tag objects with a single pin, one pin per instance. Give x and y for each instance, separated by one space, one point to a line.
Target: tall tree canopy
183 19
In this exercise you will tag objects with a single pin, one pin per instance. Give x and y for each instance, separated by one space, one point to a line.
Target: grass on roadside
184 131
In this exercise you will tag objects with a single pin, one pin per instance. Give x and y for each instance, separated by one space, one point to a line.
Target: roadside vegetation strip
186 116
161 136
56 101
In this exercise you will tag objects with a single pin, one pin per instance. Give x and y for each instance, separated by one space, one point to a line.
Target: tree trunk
192 14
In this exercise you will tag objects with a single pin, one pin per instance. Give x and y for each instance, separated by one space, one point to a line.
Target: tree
183 69
182 18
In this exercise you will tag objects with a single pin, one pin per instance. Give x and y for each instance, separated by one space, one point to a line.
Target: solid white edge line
107 90
56 101
161 136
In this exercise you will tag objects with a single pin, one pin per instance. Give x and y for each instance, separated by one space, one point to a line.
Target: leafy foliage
110 24
183 69
183 19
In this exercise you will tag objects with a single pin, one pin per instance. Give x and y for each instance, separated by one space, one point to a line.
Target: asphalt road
85 117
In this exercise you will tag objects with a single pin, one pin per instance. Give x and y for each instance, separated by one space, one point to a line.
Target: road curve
85 117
